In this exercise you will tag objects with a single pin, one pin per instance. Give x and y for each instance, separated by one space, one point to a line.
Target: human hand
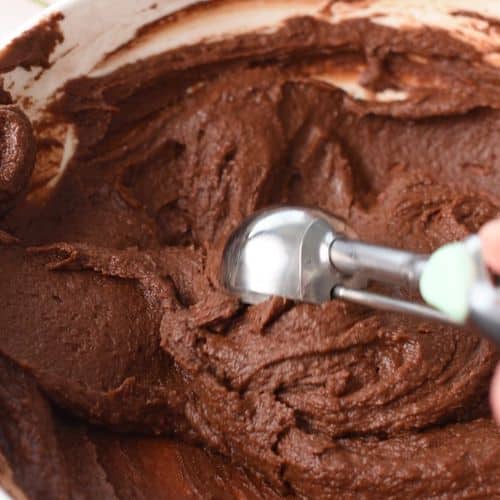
490 242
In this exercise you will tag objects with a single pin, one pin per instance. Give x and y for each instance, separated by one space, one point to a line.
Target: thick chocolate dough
34 47
110 297
48 456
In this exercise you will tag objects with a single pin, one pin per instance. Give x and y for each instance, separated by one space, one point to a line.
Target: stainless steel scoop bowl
309 256
284 252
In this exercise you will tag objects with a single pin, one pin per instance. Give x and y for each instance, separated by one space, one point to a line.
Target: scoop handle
378 263
485 311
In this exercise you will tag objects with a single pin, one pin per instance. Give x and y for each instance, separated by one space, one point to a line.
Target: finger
495 395
490 242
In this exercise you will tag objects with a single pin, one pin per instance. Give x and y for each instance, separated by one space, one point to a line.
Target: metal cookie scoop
309 256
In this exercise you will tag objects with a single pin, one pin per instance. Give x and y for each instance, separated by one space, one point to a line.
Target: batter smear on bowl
112 316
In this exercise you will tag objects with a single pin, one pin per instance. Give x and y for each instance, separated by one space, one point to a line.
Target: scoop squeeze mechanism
381 264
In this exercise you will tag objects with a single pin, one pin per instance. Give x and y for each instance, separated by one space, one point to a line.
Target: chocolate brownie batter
112 310
34 47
